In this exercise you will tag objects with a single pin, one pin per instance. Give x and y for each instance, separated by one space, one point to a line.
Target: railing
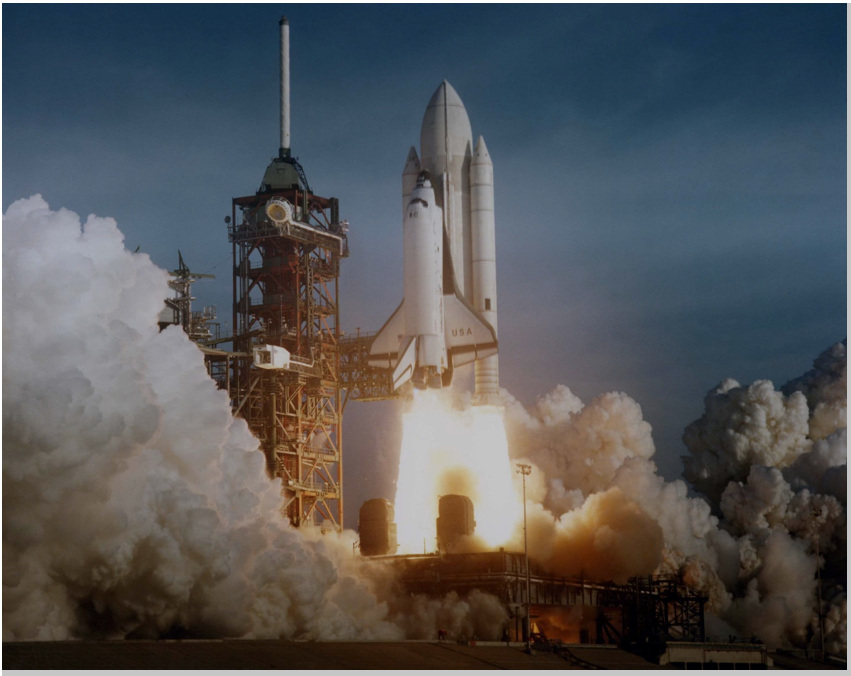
322 490
259 228
351 339
322 453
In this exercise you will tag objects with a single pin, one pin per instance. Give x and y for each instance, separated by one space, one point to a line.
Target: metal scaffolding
361 381
285 295
662 607
199 325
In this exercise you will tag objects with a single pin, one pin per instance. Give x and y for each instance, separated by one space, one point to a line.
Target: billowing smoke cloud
477 615
771 465
133 503
609 537
744 426
823 469
825 388
603 435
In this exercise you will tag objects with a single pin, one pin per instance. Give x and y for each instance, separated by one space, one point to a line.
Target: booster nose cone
412 163
446 129
480 154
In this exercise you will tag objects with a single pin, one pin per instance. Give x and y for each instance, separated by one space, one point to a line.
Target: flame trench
446 451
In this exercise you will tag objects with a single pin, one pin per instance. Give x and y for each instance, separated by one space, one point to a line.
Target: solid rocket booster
453 183
483 231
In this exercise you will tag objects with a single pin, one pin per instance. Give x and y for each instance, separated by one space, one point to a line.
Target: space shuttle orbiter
448 315
434 329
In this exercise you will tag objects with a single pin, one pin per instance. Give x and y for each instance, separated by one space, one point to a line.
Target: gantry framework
285 295
361 381
664 604
199 325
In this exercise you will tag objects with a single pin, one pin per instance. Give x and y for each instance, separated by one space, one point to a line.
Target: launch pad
645 610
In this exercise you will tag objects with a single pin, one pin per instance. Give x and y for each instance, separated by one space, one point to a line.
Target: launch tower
284 376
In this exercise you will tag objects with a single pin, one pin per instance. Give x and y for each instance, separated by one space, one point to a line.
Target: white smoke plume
601 436
134 505
779 600
766 501
823 469
786 495
478 615
744 426
825 388
772 465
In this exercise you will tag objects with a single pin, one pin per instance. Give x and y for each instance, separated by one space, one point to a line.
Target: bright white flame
445 451
498 507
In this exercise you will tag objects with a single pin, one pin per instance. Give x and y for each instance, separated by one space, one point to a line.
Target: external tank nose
446 129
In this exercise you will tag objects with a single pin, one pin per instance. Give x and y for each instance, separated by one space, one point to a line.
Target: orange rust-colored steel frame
285 292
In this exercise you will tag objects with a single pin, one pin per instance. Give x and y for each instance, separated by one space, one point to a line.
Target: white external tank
446 145
483 230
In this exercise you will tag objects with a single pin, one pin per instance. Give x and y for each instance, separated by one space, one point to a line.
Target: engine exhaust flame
447 451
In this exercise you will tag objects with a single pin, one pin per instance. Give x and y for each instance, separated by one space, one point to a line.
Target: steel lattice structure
362 381
662 606
285 294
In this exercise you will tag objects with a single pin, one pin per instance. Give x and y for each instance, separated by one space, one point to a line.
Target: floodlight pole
526 470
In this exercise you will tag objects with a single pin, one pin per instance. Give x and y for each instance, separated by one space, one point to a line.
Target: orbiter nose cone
446 128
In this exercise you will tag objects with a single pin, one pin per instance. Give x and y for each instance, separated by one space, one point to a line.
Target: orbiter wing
468 336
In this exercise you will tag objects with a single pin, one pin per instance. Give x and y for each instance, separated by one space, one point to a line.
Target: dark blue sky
671 179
